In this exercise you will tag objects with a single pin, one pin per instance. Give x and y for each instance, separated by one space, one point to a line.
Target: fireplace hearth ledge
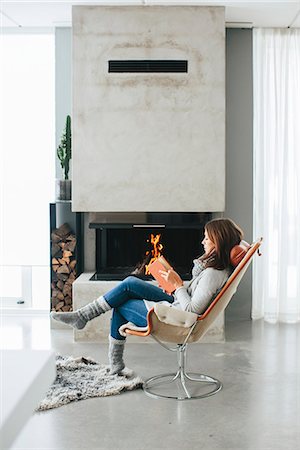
97 330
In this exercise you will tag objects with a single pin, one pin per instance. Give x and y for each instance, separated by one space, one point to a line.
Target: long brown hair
225 234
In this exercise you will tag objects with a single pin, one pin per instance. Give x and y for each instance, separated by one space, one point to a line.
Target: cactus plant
64 150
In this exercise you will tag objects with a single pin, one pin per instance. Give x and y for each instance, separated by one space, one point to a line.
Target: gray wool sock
78 319
115 355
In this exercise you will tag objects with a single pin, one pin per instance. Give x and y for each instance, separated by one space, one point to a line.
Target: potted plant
64 154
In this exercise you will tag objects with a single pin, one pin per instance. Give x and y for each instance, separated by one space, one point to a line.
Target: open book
161 264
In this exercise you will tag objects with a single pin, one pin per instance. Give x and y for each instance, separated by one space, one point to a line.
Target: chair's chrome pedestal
181 385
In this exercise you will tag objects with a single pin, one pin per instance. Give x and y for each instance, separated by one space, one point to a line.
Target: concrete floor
257 409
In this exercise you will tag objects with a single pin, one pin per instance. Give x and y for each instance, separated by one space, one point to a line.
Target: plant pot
63 190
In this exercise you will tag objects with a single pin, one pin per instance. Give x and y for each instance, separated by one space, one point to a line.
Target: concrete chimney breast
148 141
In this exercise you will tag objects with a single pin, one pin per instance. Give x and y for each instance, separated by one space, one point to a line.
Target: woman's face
207 243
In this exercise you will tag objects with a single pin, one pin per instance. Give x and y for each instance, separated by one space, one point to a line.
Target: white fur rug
82 378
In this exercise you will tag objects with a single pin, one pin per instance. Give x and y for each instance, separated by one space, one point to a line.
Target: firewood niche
63 266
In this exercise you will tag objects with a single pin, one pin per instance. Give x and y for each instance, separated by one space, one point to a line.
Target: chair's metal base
181 385
186 386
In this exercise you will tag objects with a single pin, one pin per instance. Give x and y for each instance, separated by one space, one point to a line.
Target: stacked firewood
63 265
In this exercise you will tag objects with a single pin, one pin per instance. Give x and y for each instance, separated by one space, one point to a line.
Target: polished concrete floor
257 409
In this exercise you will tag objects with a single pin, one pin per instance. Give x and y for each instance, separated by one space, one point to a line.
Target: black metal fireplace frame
155 222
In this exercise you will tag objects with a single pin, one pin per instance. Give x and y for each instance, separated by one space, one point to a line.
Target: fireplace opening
124 249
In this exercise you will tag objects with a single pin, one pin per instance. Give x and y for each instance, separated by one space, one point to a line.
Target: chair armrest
174 316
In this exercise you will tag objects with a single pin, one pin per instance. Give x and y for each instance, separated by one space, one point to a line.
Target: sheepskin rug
82 378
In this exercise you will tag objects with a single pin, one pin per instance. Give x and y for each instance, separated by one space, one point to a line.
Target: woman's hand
172 277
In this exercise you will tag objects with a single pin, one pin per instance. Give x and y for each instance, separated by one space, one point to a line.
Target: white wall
239 151
148 142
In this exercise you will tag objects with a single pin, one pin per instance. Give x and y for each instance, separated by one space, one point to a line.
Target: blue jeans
126 299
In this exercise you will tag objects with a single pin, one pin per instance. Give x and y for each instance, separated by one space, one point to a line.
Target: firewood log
72 277
66 308
62 276
56 293
55 249
54 302
59 306
55 237
63 269
64 230
68 300
70 245
60 284
72 264
63 260
67 290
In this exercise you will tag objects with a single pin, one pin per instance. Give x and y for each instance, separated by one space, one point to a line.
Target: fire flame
156 250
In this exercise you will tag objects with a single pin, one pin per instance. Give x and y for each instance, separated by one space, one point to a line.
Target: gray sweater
198 293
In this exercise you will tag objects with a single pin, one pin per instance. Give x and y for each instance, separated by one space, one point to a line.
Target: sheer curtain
276 275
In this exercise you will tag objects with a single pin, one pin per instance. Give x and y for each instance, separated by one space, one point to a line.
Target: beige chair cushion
174 316
167 316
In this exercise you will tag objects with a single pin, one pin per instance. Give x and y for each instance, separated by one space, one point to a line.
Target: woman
133 297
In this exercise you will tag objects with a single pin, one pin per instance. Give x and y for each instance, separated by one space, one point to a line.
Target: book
154 268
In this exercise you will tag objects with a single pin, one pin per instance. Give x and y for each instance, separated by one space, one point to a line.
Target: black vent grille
148 66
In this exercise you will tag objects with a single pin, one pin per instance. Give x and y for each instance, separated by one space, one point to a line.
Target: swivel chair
170 325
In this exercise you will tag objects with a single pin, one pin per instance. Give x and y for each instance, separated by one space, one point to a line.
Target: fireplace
125 248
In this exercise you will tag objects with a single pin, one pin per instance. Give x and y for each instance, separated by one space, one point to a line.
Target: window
27 130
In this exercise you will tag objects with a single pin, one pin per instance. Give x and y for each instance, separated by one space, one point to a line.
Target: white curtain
276 275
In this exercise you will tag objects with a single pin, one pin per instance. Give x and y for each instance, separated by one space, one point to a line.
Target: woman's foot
115 355
70 318
78 319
